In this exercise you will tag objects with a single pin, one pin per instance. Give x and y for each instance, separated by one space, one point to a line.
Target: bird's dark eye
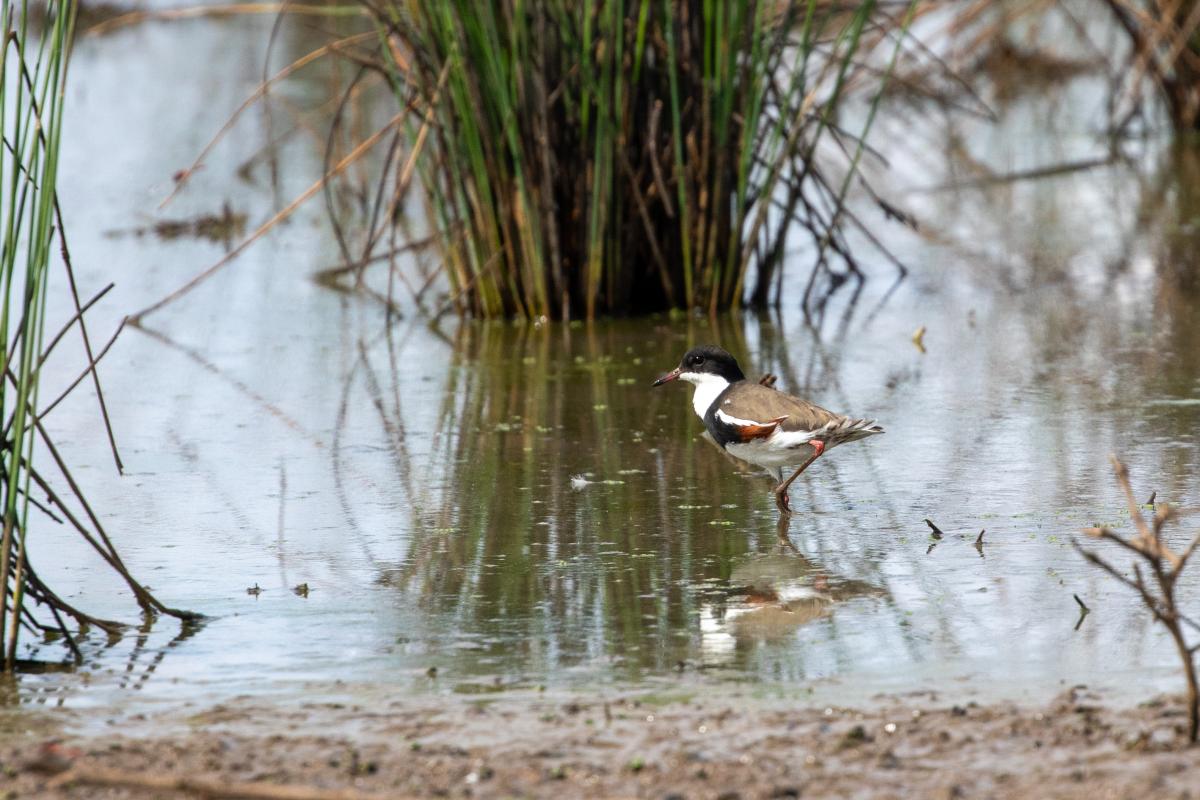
697 360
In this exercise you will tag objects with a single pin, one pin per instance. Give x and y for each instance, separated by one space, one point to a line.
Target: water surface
495 507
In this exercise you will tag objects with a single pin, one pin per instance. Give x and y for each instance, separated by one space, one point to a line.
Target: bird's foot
781 532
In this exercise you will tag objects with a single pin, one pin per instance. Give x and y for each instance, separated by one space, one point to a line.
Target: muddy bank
1074 747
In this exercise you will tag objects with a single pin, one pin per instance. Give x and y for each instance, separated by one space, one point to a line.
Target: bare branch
1148 545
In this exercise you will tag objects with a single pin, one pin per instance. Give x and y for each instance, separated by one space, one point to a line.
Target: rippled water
513 507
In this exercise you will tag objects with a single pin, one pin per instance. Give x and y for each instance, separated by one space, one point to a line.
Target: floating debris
222 228
254 591
937 532
300 590
1083 611
918 338
579 482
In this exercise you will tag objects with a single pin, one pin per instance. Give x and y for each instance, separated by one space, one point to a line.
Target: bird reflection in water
772 595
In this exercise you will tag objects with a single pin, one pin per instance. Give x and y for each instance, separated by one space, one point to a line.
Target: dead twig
202 11
351 157
1165 566
87 342
1037 173
258 93
330 275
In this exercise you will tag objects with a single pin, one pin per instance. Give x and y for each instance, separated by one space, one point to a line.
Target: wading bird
758 424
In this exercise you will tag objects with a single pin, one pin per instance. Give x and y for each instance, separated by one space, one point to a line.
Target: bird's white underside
780 448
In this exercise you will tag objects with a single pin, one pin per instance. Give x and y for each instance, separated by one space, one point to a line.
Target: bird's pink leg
782 502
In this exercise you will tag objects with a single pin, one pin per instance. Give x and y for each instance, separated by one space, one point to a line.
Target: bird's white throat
708 386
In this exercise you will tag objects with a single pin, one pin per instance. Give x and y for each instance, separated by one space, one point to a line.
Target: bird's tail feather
847 429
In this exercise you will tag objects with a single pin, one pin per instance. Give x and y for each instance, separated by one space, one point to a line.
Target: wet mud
624 746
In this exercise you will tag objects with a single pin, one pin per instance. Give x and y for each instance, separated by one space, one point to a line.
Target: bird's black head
706 359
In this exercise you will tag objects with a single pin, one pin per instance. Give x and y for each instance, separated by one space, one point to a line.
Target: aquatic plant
1158 592
624 157
580 159
32 82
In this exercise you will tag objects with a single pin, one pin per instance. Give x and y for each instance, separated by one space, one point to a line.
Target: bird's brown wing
763 406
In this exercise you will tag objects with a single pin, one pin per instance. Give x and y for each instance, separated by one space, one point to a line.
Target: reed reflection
578 515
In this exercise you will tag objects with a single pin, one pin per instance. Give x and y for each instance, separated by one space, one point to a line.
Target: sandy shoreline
1076 746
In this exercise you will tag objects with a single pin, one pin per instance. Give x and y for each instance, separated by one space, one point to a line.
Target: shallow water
513 507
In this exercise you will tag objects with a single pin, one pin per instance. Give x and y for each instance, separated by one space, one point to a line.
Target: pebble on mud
854 737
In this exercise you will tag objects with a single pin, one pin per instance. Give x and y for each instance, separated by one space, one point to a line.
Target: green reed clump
624 157
32 83
31 121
